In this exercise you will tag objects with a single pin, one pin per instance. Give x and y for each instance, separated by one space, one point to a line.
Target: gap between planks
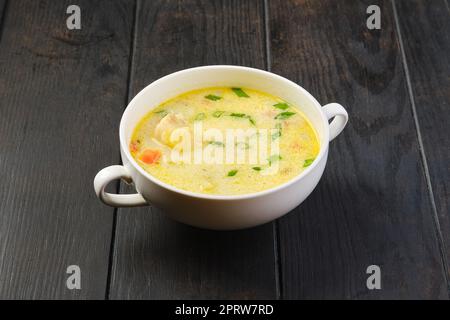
2 18
127 98
275 228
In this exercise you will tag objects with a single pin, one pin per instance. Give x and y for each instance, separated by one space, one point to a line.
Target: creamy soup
224 141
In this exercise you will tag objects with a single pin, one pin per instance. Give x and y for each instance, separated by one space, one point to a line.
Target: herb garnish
200 116
284 115
281 105
216 143
243 145
240 93
308 162
218 114
232 173
243 115
162 113
238 115
274 158
276 135
213 97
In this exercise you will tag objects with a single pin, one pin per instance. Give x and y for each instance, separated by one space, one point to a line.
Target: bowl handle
109 174
340 115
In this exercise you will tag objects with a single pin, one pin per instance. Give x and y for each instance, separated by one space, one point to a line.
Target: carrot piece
150 156
134 146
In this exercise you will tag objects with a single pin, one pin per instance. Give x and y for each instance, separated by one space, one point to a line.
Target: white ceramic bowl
215 211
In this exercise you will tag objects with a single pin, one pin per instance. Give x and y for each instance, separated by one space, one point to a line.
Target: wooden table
383 200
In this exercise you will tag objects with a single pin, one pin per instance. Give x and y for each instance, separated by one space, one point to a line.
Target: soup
224 141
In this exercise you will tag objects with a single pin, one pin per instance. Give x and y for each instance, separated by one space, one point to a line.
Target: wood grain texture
62 96
425 29
372 205
159 259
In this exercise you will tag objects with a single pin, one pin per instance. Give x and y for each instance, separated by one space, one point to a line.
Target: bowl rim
323 147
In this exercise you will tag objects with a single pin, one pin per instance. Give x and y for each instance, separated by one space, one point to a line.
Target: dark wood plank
157 258
62 96
2 12
372 205
425 29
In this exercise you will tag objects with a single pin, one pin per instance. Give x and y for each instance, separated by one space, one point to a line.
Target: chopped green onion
240 93
213 97
238 115
274 158
276 135
284 115
200 116
232 173
244 145
162 113
308 162
243 115
257 168
216 143
218 114
281 105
